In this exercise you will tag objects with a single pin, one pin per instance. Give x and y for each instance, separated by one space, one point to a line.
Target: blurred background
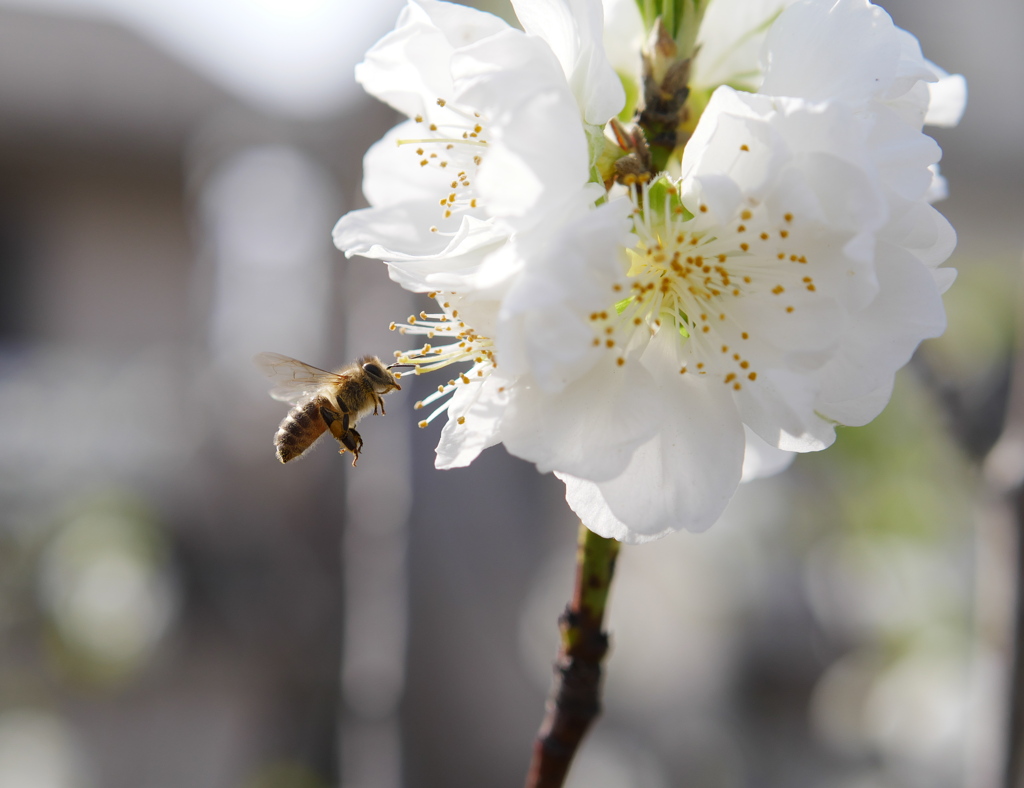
177 610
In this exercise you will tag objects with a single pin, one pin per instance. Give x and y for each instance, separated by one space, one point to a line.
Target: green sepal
603 155
632 97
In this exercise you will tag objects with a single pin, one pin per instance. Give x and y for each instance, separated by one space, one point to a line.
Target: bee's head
383 380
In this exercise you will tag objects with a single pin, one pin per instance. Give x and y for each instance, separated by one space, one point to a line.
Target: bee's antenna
396 364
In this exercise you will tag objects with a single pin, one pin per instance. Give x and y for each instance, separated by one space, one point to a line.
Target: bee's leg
341 417
352 441
343 411
338 426
349 438
336 422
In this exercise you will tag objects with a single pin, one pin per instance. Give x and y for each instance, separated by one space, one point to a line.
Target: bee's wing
297 381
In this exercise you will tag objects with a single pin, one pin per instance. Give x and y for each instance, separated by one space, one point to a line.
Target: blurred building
172 603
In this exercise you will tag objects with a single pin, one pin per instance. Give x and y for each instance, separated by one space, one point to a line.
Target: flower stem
575 701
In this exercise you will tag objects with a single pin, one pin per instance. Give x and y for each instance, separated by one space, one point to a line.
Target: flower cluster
652 324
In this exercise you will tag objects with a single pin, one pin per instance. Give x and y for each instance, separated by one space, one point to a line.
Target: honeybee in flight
325 401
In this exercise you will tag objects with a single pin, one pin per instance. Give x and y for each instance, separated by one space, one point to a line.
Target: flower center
707 284
464 346
452 143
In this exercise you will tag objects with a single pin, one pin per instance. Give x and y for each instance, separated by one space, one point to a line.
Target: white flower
496 144
821 189
654 348
494 160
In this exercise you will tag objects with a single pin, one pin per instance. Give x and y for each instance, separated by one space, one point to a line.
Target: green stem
575 700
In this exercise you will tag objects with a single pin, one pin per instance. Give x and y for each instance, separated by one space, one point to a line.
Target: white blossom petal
409 67
474 422
920 229
405 230
592 427
543 325
623 37
682 478
730 41
574 30
903 155
516 83
781 411
947 98
846 51
761 459
908 309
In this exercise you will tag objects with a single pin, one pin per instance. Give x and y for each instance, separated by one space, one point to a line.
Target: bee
325 401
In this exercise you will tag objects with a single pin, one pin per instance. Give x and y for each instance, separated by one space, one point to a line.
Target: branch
575 699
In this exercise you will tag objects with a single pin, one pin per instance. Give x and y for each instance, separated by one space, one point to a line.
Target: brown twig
575 699
1013 776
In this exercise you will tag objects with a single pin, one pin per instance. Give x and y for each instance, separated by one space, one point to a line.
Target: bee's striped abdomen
299 430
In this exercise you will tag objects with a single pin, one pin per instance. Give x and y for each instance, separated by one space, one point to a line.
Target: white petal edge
574 29
947 99
761 459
